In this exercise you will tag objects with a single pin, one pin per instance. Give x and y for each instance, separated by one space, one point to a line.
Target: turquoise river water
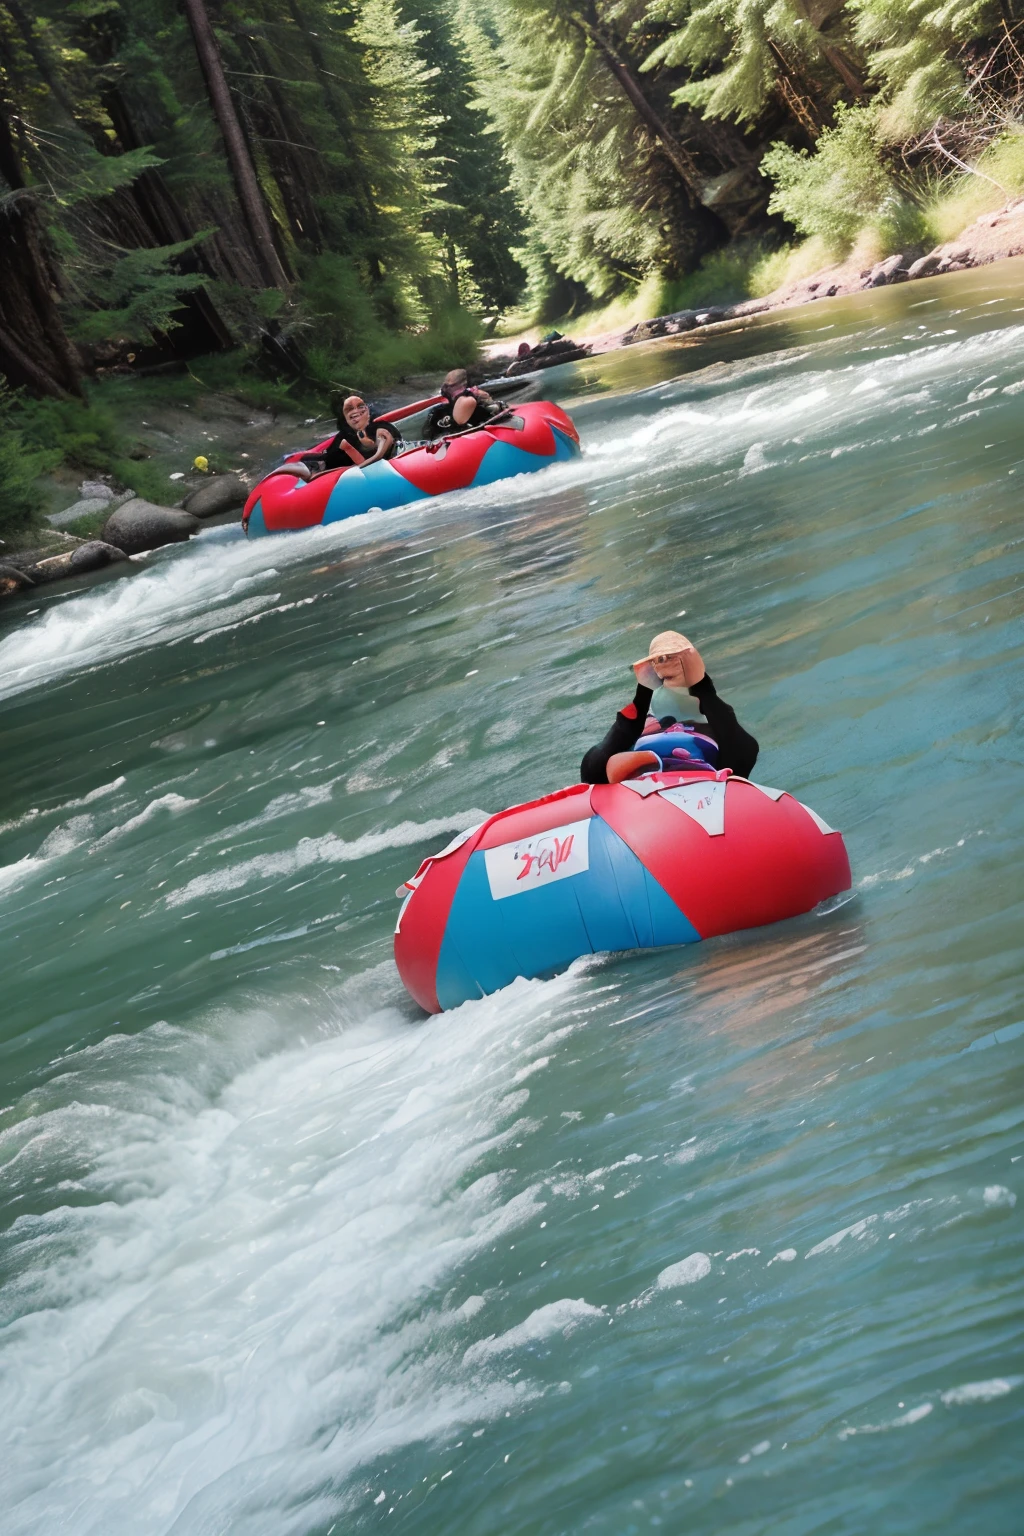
279 1254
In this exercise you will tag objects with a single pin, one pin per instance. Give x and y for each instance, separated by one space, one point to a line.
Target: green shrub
963 198
348 337
21 465
85 435
724 277
836 190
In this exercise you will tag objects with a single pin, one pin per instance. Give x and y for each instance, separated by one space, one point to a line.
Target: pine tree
476 219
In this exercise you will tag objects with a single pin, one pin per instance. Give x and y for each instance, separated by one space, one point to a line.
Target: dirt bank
992 237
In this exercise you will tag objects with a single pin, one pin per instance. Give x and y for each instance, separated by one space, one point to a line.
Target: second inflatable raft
529 437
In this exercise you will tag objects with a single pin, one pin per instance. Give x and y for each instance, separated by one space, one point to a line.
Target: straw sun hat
669 643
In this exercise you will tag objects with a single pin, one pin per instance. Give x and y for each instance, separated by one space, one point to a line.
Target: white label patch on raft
704 803
539 860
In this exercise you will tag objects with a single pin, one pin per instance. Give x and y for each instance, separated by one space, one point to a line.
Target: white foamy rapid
329 849
187 593
239 1307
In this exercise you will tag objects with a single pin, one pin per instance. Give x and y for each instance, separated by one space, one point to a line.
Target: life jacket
442 421
680 747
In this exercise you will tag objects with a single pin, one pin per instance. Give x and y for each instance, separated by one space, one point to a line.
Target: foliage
604 210
747 41
348 345
139 297
21 464
839 188
912 49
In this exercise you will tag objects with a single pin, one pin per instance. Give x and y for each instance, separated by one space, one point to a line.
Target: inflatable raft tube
522 439
670 858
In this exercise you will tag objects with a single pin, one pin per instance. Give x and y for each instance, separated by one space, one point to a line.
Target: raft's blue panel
256 527
378 485
615 904
502 460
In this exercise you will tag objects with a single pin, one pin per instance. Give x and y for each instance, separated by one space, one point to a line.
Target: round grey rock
221 494
141 525
93 555
84 508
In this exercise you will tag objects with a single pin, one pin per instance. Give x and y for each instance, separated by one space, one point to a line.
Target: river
281 1255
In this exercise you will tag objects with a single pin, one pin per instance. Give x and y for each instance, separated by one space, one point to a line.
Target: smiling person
361 439
673 666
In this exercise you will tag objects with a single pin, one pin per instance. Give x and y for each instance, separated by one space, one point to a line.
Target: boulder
221 493
141 525
884 271
91 490
924 266
94 555
89 504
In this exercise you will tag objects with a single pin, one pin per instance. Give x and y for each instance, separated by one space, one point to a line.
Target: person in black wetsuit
718 742
464 406
361 439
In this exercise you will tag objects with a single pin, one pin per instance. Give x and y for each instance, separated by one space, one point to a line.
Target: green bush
85 435
724 277
347 334
21 465
837 190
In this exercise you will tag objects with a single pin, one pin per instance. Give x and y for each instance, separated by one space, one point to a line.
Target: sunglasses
661 661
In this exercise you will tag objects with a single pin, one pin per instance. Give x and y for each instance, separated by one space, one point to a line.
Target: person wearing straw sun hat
639 741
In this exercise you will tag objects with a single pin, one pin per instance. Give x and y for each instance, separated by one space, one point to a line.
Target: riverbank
239 439
994 236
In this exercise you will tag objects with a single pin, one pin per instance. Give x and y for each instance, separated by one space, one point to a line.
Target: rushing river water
280 1254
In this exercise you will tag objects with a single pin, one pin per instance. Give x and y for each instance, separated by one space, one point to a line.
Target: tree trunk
40 57
250 195
843 66
299 176
35 349
675 152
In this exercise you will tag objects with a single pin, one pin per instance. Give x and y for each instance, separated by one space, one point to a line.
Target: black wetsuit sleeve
335 456
623 736
737 749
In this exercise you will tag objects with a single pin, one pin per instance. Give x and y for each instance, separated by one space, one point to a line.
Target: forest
314 195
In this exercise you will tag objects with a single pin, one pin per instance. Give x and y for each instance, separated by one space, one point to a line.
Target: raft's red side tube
667 859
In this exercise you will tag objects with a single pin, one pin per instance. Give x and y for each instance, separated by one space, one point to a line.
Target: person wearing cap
674 666
361 439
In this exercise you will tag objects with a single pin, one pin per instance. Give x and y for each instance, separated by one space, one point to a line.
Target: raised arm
623 735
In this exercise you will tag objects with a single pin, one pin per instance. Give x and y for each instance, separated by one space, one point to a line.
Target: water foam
244 1303
62 840
171 802
329 849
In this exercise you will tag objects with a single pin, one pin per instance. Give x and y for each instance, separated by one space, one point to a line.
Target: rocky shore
993 237
131 528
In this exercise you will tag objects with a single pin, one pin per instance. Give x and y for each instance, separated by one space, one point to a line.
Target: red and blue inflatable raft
669 858
527 437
